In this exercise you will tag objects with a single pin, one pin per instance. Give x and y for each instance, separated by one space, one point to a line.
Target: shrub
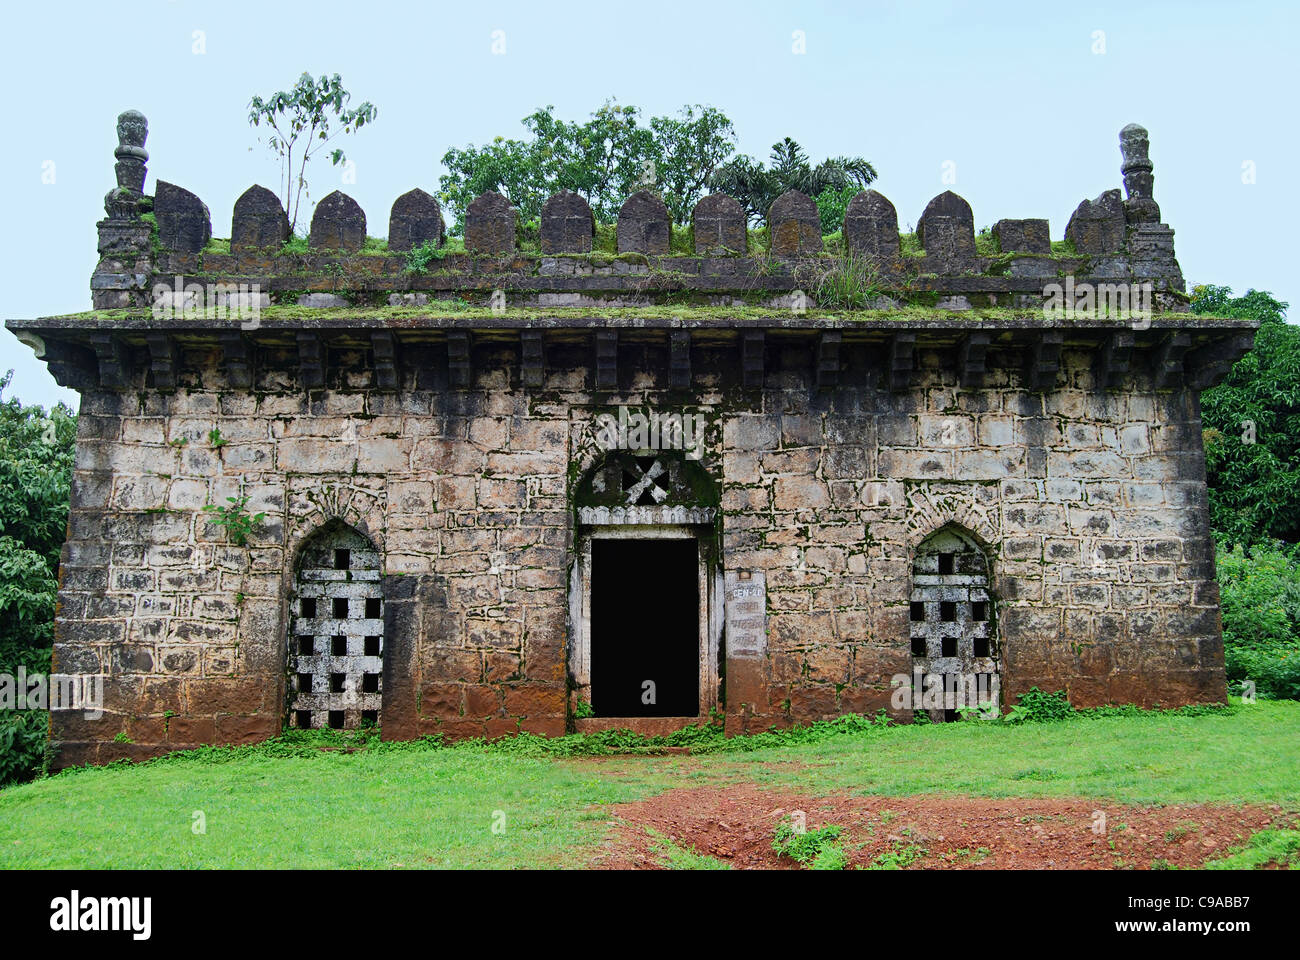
831 204
22 744
238 523
1260 600
1035 706
35 472
810 846
419 258
606 239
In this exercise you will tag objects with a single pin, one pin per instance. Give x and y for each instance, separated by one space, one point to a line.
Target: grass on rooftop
460 308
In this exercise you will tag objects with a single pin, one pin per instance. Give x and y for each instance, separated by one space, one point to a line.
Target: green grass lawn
431 808
424 806
1251 755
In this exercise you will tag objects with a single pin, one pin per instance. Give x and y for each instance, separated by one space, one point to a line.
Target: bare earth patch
735 825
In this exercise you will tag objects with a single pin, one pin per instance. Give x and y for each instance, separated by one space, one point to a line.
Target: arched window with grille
955 659
336 634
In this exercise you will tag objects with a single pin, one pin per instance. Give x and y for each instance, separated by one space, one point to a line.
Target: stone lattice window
952 630
646 487
336 636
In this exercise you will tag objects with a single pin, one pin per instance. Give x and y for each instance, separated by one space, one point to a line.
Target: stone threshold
646 726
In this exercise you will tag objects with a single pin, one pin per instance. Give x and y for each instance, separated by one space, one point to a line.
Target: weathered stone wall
1091 506
1034 400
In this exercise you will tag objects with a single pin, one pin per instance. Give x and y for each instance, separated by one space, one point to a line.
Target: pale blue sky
1013 94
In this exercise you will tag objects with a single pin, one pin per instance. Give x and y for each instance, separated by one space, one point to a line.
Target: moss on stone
287 313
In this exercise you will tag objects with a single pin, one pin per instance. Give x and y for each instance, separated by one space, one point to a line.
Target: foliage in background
1261 617
35 473
1254 486
605 159
831 205
832 182
314 111
1251 427
609 157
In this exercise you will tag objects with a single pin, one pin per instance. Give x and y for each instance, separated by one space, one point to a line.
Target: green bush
1035 706
419 258
851 282
818 847
606 239
1275 672
1251 424
35 472
831 204
1260 598
682 242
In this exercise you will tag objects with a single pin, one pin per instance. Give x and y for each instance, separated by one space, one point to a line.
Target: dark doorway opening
645 628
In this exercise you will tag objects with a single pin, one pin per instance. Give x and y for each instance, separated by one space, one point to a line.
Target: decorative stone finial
947 232
718 222
123 201
1140 207
794 226
490 224
567 224
871 225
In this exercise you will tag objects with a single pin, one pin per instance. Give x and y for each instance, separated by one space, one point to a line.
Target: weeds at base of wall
704 738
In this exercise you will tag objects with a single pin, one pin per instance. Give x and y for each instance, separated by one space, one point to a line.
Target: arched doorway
644 611
336 634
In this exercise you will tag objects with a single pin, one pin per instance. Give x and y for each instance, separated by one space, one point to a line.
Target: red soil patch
736 824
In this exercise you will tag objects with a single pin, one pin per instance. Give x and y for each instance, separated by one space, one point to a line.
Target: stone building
500 490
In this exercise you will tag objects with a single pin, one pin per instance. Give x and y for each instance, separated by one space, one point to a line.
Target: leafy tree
314 111
1261 617
836 179
690 148
747 181
35 474
511 167
605 159
831 205
1252 425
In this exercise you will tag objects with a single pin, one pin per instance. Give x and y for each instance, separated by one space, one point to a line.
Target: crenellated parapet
1113 238
163 286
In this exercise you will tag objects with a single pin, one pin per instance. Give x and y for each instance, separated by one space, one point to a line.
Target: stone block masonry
1089 505
979 492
